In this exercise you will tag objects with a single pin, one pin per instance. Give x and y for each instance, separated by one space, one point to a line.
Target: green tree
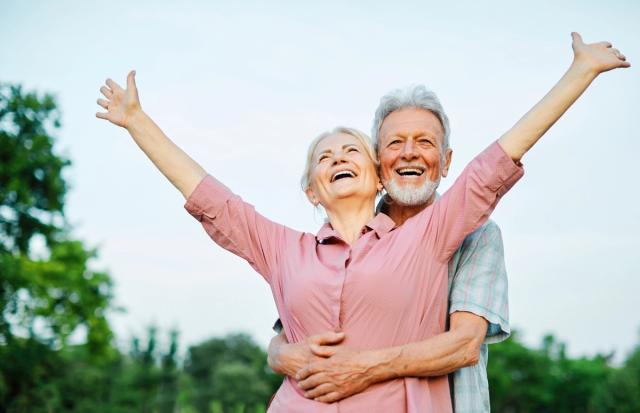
231 373
48 290
621 392
524 380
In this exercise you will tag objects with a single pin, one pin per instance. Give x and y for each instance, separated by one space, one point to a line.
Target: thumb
328 338
131 80
577 39
323 351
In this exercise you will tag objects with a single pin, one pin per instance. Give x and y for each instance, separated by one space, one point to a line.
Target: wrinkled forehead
336 142
411 122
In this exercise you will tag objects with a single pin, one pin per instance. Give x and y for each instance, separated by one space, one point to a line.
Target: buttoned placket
359 246
346 260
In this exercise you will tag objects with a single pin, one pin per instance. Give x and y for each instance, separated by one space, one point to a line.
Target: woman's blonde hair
360 136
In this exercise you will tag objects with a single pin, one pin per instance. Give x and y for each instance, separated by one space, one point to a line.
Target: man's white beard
409 195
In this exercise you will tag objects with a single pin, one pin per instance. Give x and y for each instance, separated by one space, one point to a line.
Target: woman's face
341 168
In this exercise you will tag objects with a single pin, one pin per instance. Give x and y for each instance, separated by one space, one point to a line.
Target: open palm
121 104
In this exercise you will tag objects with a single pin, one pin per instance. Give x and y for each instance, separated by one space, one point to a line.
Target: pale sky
243 88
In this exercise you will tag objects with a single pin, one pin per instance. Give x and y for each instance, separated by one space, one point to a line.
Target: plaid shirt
478 284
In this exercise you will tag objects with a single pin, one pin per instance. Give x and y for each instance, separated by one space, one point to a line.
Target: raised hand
121 104
599 57
589 60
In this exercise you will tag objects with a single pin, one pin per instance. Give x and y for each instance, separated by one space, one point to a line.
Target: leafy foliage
523 380
48 292
230 371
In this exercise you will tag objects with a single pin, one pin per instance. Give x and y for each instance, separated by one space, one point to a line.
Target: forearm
442 354
535 123
182 171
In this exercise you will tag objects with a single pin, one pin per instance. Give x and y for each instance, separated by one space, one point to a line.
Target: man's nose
409 149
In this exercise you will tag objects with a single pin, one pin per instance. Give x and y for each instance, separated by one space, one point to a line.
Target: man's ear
311 196
380 187
447 162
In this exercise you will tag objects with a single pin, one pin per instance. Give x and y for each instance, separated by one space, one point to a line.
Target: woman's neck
348 217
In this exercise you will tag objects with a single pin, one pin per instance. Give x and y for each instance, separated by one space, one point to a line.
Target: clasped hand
334 371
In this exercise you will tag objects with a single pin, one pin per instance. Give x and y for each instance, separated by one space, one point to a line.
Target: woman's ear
311 196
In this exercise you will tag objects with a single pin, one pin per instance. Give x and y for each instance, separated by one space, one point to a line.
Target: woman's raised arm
589 60
124 110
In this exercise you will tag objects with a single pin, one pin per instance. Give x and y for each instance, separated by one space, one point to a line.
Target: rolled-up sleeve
236 226
472 198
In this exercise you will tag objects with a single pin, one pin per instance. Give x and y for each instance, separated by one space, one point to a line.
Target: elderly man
408 125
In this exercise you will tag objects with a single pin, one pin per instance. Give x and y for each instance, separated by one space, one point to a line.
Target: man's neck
399 213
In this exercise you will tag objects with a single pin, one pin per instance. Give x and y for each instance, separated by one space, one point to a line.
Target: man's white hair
414 96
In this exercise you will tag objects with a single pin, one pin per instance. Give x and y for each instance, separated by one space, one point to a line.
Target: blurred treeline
57 351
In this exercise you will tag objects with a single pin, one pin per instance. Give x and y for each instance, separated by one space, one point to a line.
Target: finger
103 103
329 397
113 85
577 39
605 44
323 351
329 337
101 115
305 372
312 381
131 80
619 55
106 92
320 391
625 64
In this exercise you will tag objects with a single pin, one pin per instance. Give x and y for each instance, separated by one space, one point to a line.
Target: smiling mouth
342 175
410 171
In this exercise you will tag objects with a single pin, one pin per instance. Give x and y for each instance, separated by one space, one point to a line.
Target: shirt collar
381 224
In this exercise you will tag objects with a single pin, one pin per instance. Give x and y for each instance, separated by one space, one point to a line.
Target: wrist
380 364
135 119
584 69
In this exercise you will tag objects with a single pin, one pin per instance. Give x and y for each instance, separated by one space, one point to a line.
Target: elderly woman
359 273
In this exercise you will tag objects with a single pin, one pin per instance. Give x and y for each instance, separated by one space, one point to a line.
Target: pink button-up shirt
388 288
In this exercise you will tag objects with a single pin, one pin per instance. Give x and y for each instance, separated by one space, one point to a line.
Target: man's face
411 159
